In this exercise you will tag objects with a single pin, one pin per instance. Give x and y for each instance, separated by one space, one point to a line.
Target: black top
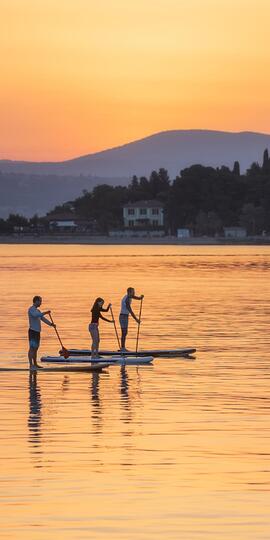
96 314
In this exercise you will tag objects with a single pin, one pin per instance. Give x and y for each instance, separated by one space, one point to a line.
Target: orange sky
79 76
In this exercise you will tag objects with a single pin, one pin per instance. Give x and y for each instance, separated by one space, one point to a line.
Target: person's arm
104 318
36 313
128 306
46 321
107 309
138 297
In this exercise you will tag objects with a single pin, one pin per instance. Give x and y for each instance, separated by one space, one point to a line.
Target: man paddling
35 316
124 315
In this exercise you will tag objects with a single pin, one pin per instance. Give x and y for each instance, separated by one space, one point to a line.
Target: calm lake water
176 450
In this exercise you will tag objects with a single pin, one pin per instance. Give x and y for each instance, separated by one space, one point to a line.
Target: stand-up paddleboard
66 369
156 353
78 359
113 360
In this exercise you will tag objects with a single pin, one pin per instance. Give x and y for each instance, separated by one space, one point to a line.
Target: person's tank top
124 309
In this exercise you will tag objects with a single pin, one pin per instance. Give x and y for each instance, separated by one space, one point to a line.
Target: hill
172 150
32 187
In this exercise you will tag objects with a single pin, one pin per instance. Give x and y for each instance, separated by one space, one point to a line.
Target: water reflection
171 441
128 390
124 385
35 412
125 397
96 403
65 383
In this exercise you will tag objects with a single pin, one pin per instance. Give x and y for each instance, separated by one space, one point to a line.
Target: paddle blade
64 352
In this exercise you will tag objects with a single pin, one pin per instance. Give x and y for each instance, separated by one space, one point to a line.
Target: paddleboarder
96 311
35 317
126 310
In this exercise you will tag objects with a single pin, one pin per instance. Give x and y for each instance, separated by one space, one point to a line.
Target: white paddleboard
118 360
68 369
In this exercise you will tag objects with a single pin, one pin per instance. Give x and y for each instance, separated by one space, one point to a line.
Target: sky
79 76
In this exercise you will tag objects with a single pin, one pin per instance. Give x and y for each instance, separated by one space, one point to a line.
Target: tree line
203 199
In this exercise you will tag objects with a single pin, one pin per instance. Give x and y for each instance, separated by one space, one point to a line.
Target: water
176 450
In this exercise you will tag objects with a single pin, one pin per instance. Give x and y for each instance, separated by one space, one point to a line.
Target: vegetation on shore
204 199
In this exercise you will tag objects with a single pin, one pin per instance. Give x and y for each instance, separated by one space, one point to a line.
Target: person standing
96 310
35 317
126 310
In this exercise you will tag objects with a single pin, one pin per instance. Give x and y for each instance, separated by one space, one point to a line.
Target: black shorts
34 339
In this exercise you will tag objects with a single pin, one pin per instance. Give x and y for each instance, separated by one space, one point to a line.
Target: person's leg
95 340
91 330
32 357
31 353
35 358
124 330
123 336
36 347
93 350
34 341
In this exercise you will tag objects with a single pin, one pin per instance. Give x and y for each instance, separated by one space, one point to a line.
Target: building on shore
141 219
184 233
235 232
68 222
143 214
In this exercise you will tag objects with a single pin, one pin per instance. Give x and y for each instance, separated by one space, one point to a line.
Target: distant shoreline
106 240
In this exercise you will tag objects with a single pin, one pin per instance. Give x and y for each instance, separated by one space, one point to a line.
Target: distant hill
173 150
36 194
30 187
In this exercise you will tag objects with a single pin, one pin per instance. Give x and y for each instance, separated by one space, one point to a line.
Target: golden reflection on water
175 450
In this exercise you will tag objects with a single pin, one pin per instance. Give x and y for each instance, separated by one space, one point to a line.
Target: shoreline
106 240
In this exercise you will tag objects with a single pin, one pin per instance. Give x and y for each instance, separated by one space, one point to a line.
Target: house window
155 211
131 222
155 222
131 211
143 211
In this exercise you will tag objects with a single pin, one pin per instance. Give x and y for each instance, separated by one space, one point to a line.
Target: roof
234 228
62 216
144 204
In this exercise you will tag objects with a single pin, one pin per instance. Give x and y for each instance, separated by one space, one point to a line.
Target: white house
143 214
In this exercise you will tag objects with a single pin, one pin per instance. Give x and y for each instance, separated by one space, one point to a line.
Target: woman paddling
93 326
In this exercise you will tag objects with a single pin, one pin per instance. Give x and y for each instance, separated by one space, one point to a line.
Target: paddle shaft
139 324
56 331
116 333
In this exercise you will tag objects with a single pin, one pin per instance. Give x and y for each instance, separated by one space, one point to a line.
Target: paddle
64 352
116 333
139 324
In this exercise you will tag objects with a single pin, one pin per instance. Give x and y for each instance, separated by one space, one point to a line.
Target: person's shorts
123 319
34 339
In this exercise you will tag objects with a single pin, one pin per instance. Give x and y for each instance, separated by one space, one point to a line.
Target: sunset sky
78 76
